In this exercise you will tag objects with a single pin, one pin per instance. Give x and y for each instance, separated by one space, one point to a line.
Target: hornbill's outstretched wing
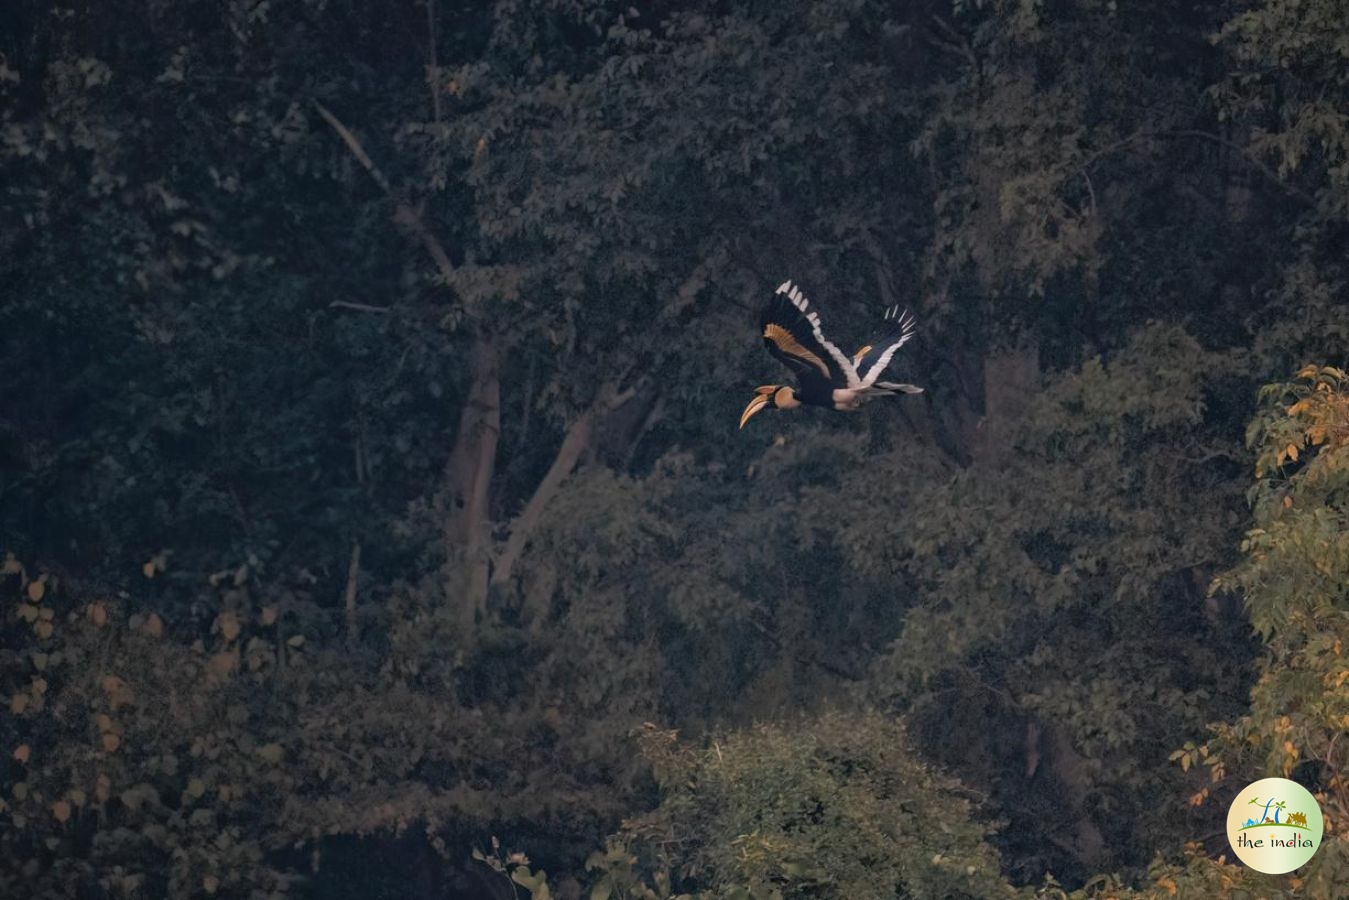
872 360
791 332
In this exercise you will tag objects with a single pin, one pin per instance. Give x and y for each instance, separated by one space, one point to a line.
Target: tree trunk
1011 378
349 596
618 433
1072 772
575 444
468 477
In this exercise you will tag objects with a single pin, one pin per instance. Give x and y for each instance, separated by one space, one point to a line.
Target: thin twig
349 601
956 42
359 307
1091 191
1250 160
433 68
1221 141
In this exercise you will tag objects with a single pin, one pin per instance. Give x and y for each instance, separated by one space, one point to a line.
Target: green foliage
151 764
1069 546
225 348
835 806
515 868
1196 875
1289 84
1294 580
1284 90
139 765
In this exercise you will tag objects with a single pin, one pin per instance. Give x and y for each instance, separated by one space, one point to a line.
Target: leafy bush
835 806
138 764
1295 583
145 762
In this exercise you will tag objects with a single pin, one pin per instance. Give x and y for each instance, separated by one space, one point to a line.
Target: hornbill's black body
825 374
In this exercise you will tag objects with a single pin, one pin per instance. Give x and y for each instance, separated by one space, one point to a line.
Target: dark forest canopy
370 483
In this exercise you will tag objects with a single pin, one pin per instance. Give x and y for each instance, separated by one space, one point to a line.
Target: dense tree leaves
403 345
1294 578
837 807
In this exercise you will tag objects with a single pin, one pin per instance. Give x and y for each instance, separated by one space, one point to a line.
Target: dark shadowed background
376 520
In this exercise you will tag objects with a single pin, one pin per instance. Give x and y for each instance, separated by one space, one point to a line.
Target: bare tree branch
359 307
569 453
410 217
406 215
354 145
349 596
433 67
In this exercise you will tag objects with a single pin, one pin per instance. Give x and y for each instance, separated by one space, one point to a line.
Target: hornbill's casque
826 375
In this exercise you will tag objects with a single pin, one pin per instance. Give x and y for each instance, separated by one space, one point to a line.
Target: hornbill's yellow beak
763 396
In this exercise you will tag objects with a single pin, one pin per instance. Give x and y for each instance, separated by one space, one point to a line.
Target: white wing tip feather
795 295
904 319
799 300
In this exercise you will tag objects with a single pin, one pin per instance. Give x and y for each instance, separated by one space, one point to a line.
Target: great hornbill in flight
827 376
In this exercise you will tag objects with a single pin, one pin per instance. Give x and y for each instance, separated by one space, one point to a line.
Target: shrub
836 806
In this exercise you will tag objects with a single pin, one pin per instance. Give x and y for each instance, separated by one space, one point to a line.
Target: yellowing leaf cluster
227 623
119 693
